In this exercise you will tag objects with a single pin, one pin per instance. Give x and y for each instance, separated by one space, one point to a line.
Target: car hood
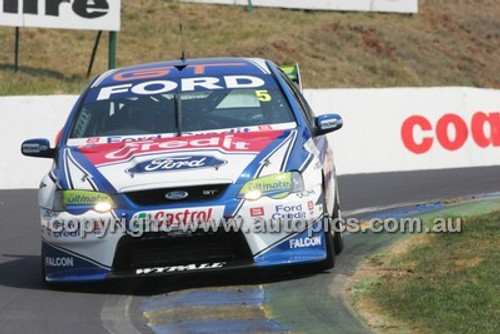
176 161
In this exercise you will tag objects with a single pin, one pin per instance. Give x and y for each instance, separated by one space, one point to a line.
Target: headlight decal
82 199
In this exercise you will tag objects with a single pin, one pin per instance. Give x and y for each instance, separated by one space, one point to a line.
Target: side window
81 124
304 106
308 109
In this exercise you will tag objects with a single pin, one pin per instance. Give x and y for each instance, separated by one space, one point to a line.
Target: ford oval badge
176 195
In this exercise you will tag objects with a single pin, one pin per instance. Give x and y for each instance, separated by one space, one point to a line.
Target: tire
47 285
42 266
329 262
338 239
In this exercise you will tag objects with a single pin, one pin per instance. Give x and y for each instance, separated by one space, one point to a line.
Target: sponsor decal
277 185
327 124
65 234
176 195
59 261
120 139
265 127
131 139
159 72
139 138
257 212
156 87
82 197
72 229
34 148
451 132
234 143
85 142
305 193
310 205
66 14
231 130
83 8
288 212
176 217
180 268
210 192
169 164
68 229
320 207
305 242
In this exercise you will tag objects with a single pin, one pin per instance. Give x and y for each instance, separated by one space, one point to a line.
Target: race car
194 165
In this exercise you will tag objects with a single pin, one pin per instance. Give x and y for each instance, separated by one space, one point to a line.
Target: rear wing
293 73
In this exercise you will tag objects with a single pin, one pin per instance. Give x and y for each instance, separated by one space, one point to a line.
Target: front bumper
73 257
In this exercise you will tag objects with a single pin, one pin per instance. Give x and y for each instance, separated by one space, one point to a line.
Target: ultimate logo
276 186
77 197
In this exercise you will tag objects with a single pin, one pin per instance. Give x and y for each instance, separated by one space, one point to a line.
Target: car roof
185 68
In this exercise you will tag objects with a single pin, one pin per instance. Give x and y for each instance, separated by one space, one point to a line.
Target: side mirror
328 123
38 148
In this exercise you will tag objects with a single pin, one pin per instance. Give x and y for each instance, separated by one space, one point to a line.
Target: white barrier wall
405 129
390 6
27 117
399 129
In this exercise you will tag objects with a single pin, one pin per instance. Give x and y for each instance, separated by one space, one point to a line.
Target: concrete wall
397 129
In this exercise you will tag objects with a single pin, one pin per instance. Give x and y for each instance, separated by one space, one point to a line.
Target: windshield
120 111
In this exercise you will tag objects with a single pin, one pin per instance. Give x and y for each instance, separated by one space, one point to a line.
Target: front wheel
329 262
42 266
338 239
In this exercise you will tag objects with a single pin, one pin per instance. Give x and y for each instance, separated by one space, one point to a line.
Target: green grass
445 283
448 43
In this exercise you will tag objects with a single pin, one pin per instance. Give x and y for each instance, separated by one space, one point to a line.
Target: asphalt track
27 306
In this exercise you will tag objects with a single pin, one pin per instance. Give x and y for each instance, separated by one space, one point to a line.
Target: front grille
195 194
159 250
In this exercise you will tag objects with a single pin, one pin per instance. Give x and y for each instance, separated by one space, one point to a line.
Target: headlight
82 199
276 186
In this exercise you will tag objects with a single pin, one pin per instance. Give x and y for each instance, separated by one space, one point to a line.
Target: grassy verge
435 283
448 43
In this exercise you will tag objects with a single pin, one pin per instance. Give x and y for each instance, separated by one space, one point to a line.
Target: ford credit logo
176 195
170 164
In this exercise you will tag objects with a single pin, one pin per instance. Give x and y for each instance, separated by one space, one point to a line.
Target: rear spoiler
293 73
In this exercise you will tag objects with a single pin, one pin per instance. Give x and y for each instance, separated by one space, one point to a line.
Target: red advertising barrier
483 129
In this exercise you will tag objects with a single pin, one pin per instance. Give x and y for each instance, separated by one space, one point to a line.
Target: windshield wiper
178 114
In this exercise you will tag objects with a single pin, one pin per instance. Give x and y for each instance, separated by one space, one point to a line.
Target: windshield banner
175 85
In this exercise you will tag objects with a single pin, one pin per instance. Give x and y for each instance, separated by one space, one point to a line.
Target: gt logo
158 72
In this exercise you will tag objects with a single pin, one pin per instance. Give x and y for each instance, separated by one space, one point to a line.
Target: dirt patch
446 43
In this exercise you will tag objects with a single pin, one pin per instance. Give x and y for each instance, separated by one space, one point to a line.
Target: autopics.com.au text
137 228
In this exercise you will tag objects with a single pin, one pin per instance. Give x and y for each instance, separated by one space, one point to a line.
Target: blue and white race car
188 166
